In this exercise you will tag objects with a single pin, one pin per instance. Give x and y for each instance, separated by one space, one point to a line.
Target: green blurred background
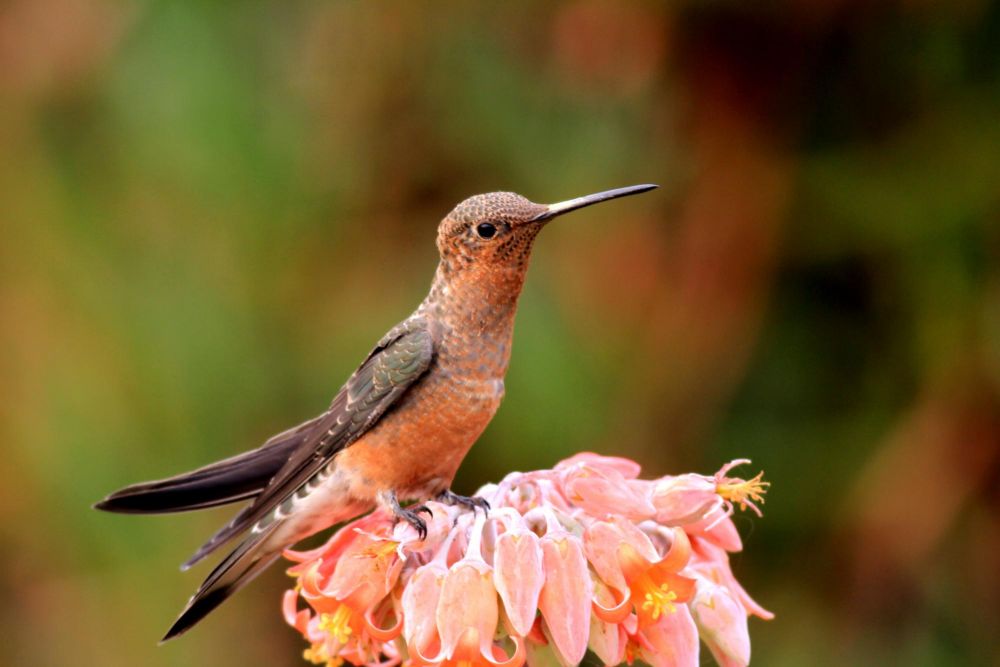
210 211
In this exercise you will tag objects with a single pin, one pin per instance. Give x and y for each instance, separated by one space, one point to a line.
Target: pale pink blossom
585 556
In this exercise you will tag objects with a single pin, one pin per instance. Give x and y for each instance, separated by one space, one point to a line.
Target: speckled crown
494 206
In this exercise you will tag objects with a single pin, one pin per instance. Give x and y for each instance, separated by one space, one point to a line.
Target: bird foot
469 502
410 515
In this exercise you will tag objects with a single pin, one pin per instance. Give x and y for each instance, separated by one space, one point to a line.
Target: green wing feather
396 363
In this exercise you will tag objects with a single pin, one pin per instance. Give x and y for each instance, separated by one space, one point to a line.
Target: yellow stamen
658 599
380 549
741 492
337 624
318 655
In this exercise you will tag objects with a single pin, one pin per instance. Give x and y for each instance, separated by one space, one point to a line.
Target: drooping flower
583 556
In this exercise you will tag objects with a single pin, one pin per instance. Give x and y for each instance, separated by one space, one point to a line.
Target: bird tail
244 563
235 526
237 478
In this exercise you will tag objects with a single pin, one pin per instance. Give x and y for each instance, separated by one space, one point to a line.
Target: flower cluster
584 556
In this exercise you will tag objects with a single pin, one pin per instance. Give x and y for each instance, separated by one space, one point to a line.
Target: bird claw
469 502
412 517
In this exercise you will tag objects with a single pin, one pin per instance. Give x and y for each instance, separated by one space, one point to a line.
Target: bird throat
479 301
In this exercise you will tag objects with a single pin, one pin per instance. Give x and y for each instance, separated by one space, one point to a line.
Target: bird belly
416 449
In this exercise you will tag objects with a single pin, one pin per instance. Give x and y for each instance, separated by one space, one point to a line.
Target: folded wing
373 390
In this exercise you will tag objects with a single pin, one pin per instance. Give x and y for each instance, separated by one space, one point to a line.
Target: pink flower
567 592
690 498
584 556
518 572
722 623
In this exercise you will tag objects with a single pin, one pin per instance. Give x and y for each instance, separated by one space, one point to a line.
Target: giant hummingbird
399 427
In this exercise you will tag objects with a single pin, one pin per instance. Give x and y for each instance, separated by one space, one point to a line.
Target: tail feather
235 571
230 480
221 536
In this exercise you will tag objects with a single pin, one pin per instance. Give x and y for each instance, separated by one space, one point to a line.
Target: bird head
495 231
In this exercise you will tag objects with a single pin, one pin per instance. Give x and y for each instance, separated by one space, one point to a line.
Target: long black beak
573 204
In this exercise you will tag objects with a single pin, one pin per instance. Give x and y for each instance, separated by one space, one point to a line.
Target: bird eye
486 230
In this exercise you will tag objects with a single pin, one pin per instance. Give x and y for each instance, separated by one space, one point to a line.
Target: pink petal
722 623
679 553
295 617
310 580
606 493
615 609
627 468
420 602
378 631
566 595
636 556
601 542
467 612
518 576
713 562
672 641
495 656
339 541
719 530
684 499
607 640
366 572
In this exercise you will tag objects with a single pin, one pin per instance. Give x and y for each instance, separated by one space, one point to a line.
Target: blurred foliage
211 210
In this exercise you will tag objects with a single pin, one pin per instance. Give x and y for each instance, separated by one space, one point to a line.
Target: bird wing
398 361
392 367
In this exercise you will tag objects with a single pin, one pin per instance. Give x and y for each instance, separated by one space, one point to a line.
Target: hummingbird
400 426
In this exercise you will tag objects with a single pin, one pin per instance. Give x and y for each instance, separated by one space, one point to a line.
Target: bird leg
469 502
410 515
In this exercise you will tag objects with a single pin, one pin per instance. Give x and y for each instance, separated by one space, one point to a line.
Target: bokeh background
210 211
